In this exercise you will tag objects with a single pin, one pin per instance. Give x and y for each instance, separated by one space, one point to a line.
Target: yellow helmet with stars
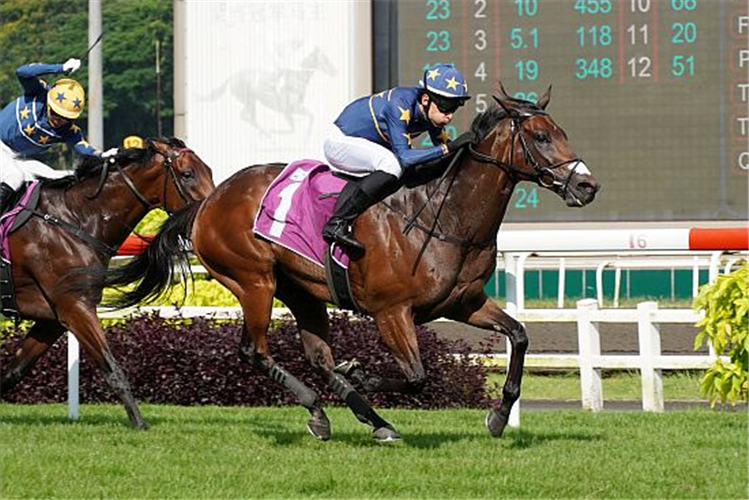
67 98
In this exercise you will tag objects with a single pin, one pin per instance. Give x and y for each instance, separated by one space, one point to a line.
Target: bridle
167 164
543 176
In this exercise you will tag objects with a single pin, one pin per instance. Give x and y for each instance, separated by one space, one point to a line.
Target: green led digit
438 10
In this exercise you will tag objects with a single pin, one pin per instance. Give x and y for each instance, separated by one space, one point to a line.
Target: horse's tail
155 267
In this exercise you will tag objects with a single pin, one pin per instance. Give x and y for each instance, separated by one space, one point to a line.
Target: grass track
212 452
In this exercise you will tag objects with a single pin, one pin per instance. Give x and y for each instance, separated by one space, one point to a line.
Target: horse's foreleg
85 325
489 316
398 331
38 340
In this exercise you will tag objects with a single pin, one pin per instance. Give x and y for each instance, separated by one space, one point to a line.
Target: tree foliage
52 31
726 327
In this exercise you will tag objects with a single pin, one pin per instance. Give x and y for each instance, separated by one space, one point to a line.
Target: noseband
168 165
540 174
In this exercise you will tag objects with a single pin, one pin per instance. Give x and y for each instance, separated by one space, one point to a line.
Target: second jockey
36 120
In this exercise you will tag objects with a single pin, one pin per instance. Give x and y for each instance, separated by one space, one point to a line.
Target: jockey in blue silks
39 118
373 135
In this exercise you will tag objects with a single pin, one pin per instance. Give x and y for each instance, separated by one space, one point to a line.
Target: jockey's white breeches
15 169
357 156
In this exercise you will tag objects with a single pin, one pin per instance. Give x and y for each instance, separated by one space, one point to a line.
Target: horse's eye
542 137
187 174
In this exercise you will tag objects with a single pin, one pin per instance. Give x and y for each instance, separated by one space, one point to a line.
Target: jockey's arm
400 142
29 74
77 141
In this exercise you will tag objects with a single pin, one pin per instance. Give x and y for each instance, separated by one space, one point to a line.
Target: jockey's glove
71 65
460 141
109 153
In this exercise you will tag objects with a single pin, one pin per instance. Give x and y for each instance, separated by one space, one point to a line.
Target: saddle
23 203
294 210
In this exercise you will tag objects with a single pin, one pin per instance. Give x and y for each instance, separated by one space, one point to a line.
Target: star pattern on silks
29 129
381 94
452 83
405 115
25 112
444 136
407 136
77 103
44 139
60 97
75 128
433 74
83 143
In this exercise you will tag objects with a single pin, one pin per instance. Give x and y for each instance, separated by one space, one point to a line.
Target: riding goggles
447 106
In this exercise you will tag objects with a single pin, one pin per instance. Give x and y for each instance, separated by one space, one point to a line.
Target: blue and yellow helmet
67 98
445 80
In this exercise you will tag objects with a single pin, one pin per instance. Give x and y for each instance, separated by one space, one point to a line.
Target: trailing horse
438 269
61 253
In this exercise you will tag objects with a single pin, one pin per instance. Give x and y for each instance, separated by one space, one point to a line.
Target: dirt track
548 338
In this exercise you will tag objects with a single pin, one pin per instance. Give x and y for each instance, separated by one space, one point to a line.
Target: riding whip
85 55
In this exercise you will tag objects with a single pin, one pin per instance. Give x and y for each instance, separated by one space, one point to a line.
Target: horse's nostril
588 187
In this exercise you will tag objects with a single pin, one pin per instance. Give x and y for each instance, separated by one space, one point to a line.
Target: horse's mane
91 166
485 122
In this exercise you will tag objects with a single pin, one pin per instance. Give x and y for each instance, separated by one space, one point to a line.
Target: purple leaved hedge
196 362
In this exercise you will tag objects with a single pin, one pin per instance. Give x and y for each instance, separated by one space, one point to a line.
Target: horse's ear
544 99
502 90
506 103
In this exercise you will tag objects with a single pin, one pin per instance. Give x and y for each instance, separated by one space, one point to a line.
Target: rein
168 166
544 177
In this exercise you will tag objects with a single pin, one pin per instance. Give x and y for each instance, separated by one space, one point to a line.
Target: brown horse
439 270
81 221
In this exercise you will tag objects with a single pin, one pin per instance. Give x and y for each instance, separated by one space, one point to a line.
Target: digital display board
653 94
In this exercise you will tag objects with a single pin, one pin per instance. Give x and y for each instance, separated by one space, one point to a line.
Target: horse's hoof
346 367
319 428
141 425
386 435
495 423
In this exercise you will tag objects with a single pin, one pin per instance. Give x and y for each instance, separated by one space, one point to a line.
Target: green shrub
725 327
151 223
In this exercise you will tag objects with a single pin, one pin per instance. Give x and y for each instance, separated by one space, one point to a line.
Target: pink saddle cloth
8 218
295 208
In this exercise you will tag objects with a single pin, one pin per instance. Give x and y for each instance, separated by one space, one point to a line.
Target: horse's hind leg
38 340
85 325
312 320
257 303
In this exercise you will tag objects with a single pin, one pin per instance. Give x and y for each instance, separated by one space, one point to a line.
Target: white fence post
650 347
511 292
74 358
589 343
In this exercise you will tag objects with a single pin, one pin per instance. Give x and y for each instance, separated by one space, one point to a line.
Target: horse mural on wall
281 89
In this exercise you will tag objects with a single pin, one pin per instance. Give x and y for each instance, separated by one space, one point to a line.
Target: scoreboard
653 94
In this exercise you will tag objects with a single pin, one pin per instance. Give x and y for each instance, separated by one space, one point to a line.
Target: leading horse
437 270
58 256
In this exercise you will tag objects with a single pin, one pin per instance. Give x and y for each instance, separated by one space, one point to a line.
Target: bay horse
80 221
402 279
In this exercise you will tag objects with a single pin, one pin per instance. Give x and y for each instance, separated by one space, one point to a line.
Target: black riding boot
6 192
354 199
